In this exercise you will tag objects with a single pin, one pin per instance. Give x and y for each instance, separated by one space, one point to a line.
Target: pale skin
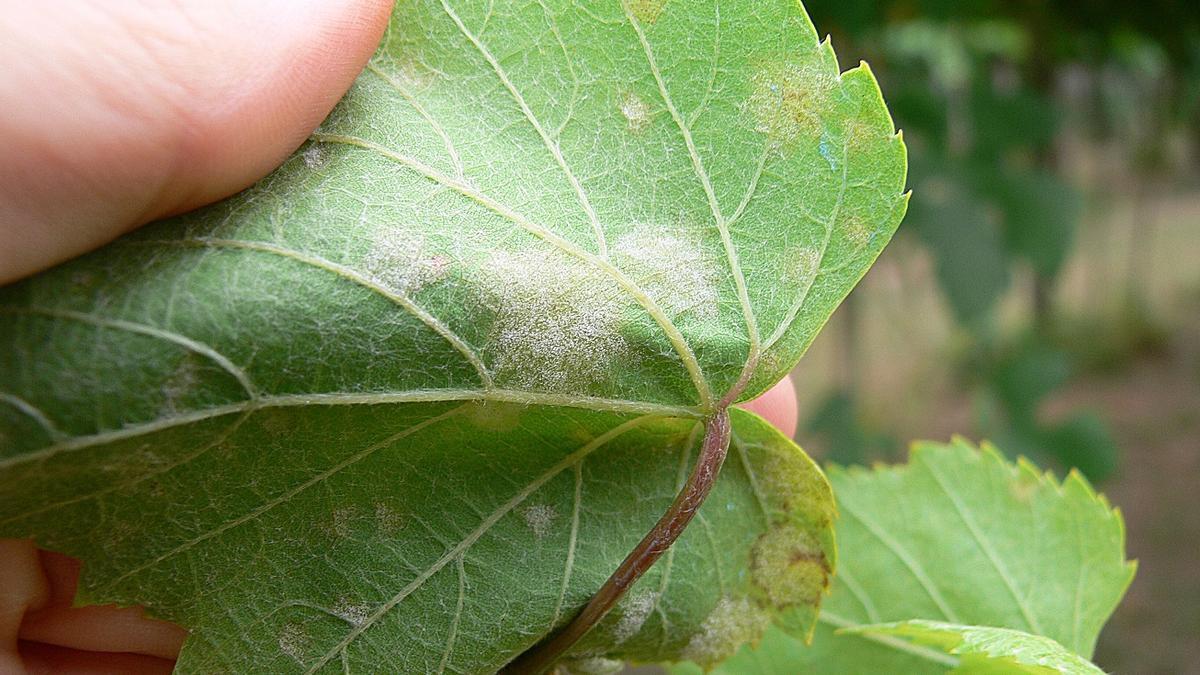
122 112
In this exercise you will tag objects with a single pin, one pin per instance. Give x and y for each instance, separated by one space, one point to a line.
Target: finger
120 112
51 660
23 587
778 406
104 628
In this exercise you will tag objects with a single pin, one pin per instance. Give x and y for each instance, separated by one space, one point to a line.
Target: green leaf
958 536
340 415
454 535
984 650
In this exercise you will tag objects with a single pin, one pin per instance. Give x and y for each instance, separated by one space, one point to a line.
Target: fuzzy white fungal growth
731 624
182 383
636 610
387 519
591 665
293 641
539 518
399 260
314 156
352 612
673 270
555 323
805 266
341 521
636 112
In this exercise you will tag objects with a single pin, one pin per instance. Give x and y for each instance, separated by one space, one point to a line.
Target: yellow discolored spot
787 101
792 485
856 232
494 415
790 567
647 11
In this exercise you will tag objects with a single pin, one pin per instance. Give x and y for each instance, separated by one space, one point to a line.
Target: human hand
119 113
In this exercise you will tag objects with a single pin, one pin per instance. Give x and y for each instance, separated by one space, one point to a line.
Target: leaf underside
997 566
407 401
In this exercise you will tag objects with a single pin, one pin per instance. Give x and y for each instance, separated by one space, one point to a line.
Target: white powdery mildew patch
636 112
354 613
182 383
672 270
539 518
293 641
637 609
387 519
592 665
556 321
805 262
341 522
399 260
731 624
314 156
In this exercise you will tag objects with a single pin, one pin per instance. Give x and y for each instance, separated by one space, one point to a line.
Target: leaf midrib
517 396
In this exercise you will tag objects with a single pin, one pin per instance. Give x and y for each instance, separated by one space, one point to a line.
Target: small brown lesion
803 556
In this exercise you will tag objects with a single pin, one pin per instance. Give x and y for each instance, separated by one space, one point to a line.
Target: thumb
121 112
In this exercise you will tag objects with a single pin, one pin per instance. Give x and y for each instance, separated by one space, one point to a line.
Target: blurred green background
1044 290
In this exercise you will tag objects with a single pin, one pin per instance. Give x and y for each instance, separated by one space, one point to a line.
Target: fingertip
136 111
266 101
778 406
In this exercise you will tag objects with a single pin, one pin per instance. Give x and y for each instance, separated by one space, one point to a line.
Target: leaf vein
731 255
900 645
470 539
355 398
354 276
420 109
984 545
905 557
572 544
551 145
33 412
678 342
458 611
286 496
829 224
224 362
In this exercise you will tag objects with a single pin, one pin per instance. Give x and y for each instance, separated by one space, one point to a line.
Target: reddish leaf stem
656 542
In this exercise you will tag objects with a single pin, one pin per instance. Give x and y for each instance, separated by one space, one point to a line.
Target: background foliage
1044 290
